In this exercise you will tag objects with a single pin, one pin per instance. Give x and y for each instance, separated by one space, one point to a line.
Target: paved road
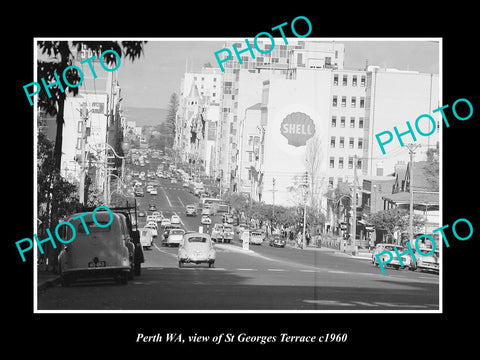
263 278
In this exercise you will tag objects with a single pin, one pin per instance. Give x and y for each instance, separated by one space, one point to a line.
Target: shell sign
297 127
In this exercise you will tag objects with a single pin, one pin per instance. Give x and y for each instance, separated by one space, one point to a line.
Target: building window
359 164
353 102
332 162
362 102
80 126
330 181
362 81
344 101
334 121
328 61
79 143
360 143
342 142
345 81
214 79
342 122
334 104
351 143
360 123
340 163
354 80
335 79
350 162
352 121
332 142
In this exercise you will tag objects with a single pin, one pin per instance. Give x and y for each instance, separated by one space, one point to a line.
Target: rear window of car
197 239
176 232
92 227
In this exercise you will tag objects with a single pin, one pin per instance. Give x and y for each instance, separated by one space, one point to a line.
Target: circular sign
297 128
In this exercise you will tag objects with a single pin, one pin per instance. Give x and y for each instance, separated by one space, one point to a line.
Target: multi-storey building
283 61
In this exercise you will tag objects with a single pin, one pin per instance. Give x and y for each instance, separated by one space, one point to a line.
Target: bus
217 205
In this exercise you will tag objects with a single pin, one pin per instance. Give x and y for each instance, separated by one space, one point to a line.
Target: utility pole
411 150
305 188
354 202
273 193
84 116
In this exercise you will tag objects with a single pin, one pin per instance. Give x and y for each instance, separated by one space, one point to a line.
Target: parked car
175 236
428 263
227 233
139 191
102 252
395 263
152 207
256 237
146 238
277 240
206 220
175 219
217 232
191 210
196 248
151 218
153 191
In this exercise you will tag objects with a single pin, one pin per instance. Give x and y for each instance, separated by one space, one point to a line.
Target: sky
150 80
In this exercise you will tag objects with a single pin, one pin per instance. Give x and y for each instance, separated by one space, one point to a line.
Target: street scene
258 188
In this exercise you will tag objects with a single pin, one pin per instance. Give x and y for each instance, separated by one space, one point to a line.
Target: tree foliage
172 115
394 220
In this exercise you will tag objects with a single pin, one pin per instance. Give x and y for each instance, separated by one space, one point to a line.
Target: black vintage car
277 241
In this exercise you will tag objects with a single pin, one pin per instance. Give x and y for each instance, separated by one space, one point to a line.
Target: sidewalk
362 254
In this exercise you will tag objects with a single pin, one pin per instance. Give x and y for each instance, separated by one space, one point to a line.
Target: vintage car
227 233
175 236
191 210
206 220
97 250
146 237
196 248
429 263
256 237
395 263
217 232
277 240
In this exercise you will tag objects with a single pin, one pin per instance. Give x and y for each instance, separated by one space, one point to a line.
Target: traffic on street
199 256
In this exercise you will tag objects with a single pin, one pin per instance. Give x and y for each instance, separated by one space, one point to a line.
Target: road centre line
181 202
165 193
276 270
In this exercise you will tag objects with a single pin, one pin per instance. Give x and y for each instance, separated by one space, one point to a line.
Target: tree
171 120
60 56
394 220
432 169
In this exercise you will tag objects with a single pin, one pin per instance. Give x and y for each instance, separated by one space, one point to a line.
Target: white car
152 226
153 191
175 236
175 219
146 237
149 188
206 220
151 218
165 222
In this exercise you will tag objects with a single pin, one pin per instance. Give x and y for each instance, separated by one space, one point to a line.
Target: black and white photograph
210 181
278 175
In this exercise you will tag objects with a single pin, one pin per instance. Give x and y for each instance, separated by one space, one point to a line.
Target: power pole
354 202
84 114
305 187
273 193
411 150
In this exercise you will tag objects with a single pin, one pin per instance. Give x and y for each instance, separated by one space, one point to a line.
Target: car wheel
137 269
180 264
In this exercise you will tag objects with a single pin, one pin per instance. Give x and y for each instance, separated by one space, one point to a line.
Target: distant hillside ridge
145 116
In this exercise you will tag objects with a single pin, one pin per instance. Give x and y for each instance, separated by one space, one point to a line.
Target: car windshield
92 227
196 239
228 228
177 232
255 233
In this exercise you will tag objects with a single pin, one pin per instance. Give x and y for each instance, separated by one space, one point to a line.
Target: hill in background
145 116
